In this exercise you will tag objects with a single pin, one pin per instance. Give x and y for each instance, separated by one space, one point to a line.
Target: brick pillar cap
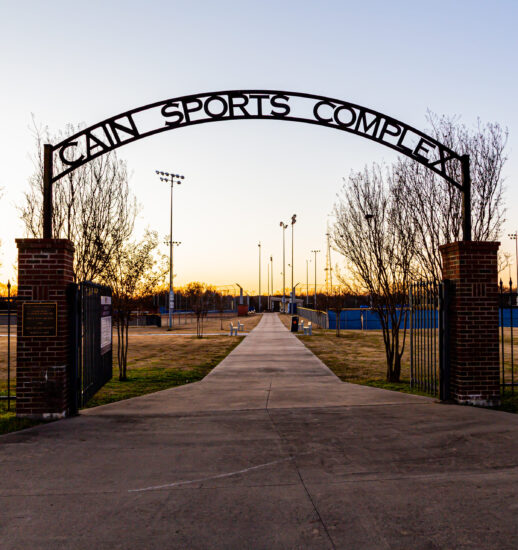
42 244
470 246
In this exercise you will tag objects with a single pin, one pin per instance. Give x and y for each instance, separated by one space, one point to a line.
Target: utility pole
283 226
259 296
268 281
315 301
170 178
329 269
307 282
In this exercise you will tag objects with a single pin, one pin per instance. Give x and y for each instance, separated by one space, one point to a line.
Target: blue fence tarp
367 319
364 319
507 317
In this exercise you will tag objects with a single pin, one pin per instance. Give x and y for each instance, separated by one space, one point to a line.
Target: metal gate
91 361
508 322
429 337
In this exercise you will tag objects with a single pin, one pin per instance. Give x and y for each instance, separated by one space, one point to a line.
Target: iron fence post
444 339
466 198
502 342
512 339
75 346
8 345
428 339
410 303
435 321
47 191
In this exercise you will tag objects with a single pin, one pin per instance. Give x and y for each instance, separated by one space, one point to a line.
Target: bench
240 326
233 330
308 331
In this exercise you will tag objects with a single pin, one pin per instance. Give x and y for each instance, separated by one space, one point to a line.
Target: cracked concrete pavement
270 451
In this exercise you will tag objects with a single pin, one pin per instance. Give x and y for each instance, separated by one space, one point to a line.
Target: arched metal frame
189 110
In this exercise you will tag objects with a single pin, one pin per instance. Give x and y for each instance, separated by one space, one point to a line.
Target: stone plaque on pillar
40 319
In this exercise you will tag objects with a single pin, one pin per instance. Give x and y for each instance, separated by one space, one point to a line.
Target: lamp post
293 298
293 222
172 305
268 283
307 282
271 275
283 226
514 236
172 179
259 296
330 266
315 252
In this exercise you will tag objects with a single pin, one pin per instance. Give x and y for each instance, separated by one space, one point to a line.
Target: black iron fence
8 319
428 305
508 323
91 361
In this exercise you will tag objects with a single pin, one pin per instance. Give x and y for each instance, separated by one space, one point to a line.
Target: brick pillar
474 351
45 269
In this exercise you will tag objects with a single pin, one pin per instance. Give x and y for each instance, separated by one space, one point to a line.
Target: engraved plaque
40 319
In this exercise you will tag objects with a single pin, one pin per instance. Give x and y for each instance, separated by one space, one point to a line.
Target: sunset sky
67 62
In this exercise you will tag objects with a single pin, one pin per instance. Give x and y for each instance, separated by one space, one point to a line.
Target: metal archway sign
178 112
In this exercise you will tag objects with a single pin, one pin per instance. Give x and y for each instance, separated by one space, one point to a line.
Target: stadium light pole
268 283
293 222
315 302
171 179
514 236
259 295
271 275
283 226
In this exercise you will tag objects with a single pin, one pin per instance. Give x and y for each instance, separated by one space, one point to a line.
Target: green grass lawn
8 420
149 378
9 423
154 364
509 402
358 357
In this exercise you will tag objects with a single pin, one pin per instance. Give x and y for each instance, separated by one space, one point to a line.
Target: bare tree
220 306
93 207
133 272
200 296
336 302
434 206
377 240
505 260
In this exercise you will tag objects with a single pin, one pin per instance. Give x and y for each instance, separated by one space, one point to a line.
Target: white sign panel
106 334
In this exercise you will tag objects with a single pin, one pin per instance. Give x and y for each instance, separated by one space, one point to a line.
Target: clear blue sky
82 62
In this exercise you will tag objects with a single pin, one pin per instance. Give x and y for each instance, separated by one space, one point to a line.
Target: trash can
295 323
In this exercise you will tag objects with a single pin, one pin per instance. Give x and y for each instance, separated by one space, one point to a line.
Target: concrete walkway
269 451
